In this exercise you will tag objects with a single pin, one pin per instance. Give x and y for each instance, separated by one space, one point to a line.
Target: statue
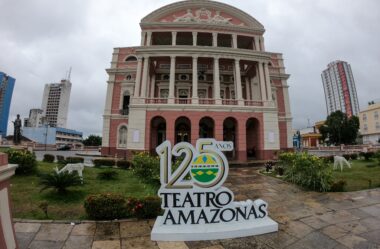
341 161
17 130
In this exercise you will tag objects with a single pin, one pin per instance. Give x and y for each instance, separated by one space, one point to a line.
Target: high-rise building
370 123
35 119
201 71
339 87
55 103
7 84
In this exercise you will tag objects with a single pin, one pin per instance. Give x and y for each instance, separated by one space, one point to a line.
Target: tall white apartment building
340 90
55 103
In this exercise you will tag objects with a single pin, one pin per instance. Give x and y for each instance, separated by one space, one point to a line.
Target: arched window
123 136
129 77
131 58
125 106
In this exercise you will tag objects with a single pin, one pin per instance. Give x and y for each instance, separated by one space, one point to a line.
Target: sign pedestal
211 231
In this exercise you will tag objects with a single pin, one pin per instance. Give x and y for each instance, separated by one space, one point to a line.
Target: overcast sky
41 39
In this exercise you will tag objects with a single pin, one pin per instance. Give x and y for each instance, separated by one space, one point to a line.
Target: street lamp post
46 135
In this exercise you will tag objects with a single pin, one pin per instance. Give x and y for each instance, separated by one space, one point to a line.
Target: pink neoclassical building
200 71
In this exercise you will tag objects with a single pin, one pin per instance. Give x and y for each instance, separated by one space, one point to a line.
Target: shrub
328 159
106 206
108 175
74 159
307 171
103 162
25 159
338 186
347 156
367 155
59 181
124 164
146 167
354 156
49 158
60 159
148 208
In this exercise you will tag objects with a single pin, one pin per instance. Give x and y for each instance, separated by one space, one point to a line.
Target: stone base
211 231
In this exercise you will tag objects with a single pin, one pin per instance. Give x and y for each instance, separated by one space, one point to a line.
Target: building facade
35 118
7 84
200 71
55 103
54 136
370 124
340 90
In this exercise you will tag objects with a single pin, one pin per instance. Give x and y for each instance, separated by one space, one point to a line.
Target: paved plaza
306 220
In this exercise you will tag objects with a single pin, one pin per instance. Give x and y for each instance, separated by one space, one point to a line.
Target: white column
262 82
148 38
214 39
152 85
143 33
252 85
136 93
145 77
234 40
262 43
257 43
218 101
267 80
195 36
247 92
239 96
174 38
195 80
172 80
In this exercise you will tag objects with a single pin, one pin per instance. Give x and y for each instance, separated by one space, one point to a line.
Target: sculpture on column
17 130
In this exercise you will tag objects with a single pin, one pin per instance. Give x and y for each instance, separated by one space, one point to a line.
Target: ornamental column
267 80
257 43
214 39
262 82
148 38
172 80
152 85
234 40
145 77
247 92
195 80
136 93
218 101
142 43
174 38
238 82
195 36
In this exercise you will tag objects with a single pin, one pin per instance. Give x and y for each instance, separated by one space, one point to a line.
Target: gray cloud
41 39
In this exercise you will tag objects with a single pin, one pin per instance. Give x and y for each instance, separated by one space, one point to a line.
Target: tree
339 129
93 140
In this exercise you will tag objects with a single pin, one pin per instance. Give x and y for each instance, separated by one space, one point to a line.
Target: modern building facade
55 103
370 124
7 84
53 136
200 71
35 119
340 90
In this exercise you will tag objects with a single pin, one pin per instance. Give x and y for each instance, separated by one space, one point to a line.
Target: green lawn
26 195
359 176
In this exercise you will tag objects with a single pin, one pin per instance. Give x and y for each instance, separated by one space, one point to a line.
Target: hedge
49 158
103 162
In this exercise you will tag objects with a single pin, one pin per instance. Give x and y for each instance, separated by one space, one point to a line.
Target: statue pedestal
7 233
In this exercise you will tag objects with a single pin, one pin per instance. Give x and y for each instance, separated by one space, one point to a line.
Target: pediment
202 12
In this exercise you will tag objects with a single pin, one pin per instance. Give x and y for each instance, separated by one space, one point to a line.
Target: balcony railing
253 103
183 101
229 102
124 111
206 101
156 101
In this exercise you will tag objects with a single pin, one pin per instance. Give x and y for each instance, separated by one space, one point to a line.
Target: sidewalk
307 220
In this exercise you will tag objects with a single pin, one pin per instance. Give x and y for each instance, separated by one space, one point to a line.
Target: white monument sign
196 205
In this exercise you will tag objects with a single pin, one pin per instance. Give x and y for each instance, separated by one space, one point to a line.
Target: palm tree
59 181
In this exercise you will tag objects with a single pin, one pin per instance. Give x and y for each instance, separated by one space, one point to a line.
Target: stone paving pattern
306 220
